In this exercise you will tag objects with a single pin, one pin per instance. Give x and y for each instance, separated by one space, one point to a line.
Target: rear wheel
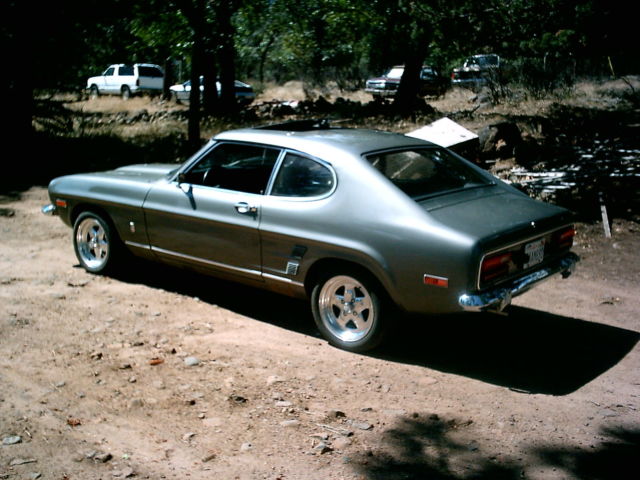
348 310
96 243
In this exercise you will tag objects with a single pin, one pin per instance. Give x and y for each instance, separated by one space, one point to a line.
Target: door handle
245 208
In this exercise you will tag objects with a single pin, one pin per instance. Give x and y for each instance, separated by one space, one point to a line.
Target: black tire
125 91
96 243
94 92
349 310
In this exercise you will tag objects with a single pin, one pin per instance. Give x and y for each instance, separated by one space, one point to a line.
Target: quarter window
231 166
302 177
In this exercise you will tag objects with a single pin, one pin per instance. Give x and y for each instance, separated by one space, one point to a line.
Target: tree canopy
321 40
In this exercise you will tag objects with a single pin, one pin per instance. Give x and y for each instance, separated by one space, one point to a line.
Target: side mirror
181 178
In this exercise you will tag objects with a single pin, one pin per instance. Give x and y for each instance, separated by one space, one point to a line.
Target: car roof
352 140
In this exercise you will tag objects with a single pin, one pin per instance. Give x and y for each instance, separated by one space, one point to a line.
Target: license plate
535 251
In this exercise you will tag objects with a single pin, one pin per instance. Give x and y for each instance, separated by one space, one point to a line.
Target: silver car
243 91
366 224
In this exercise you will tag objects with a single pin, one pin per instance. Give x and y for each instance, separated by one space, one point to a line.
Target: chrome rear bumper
499 298
49 209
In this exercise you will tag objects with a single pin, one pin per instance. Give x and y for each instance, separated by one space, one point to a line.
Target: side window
302 177
232 166
126 70
109 72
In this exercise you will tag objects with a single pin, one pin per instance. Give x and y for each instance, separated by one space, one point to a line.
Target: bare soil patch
97 375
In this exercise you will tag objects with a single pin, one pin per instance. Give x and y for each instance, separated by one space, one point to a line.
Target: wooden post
605 217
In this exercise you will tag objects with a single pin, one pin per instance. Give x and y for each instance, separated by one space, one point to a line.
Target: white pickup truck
127 80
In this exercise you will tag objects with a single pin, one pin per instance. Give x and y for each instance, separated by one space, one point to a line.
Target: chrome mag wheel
347 309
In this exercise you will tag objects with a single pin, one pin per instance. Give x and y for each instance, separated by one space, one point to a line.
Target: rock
126 473
341 443
12 440
283 403
211 455
191 361
34 476
245 447
360 425
290 423
102 457
336 414
136 403
322 448
273 379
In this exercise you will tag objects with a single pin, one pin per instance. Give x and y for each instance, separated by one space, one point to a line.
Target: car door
294 215
209 215
107 79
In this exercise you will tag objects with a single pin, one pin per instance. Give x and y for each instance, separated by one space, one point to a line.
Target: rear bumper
49 209
499 298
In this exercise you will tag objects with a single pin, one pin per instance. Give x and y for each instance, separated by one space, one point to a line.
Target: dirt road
166 374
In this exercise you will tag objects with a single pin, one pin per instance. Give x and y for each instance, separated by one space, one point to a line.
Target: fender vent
292 268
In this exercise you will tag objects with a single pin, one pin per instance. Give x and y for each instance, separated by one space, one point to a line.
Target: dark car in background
477 71
364 223
244 92
431 83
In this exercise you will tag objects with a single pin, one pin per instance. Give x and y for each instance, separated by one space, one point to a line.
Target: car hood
484 214
147 172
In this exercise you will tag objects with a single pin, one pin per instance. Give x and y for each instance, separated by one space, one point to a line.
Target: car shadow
529 350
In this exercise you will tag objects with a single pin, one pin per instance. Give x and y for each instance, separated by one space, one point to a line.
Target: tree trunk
409 88
210 98
169 78
194 97
228 103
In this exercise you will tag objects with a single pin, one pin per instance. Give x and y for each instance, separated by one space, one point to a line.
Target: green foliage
548 41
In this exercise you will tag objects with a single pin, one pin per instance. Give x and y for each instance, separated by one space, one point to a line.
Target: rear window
149 72
423 172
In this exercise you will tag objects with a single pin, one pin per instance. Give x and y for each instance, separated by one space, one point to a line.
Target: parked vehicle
244 91
127 80
362 222
477 70
431 83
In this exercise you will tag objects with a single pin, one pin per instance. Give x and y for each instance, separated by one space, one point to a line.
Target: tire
94 92
349 309
96 243
125 91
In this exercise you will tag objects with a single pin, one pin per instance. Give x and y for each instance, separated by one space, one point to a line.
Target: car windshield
424 172
395 72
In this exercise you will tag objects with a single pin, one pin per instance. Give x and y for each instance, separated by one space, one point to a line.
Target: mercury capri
363 223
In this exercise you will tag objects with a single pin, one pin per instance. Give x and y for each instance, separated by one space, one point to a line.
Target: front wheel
95 242
348 311
126 92
94 92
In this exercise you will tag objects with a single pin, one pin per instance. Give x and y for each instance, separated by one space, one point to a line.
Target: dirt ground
167 374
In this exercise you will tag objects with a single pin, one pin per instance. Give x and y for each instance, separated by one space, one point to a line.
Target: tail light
564 238
495 266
